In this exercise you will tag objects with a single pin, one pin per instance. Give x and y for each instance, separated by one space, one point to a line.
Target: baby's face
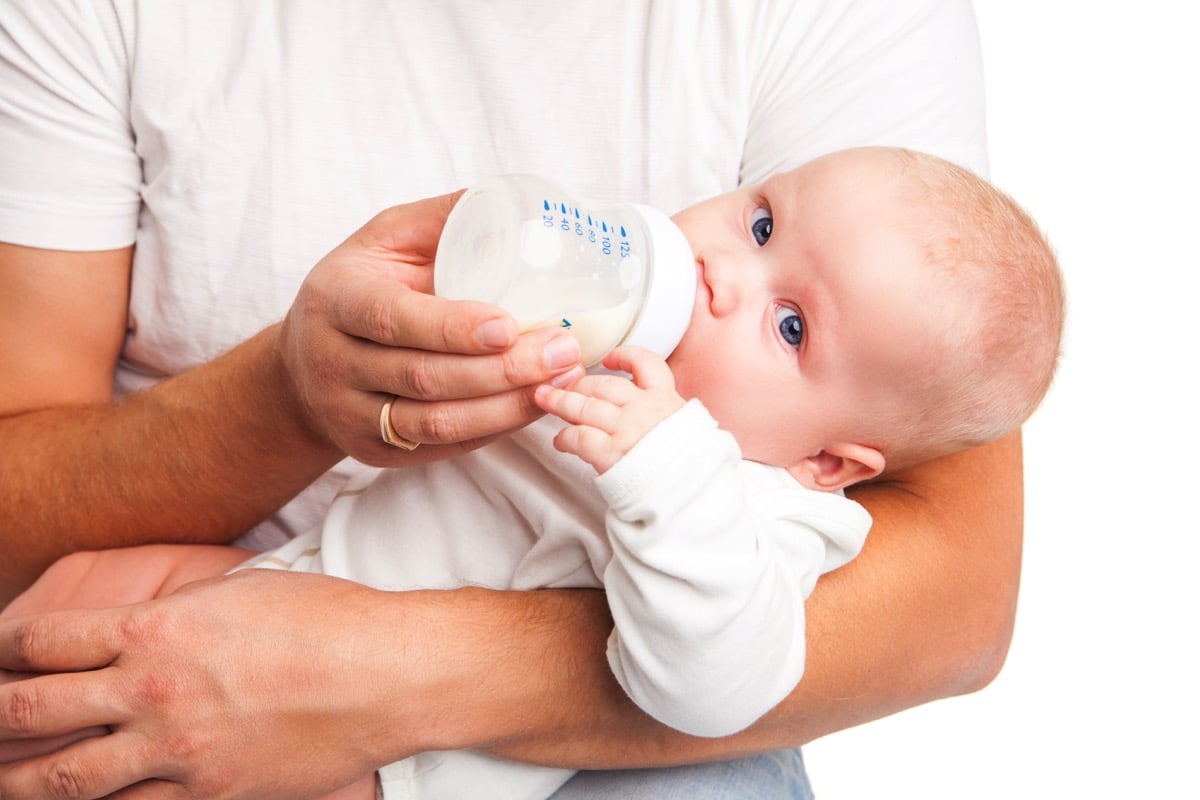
811 302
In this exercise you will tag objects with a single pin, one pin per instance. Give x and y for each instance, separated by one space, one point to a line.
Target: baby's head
998 290
871 309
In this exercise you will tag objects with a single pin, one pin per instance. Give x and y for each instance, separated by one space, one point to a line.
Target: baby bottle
618 274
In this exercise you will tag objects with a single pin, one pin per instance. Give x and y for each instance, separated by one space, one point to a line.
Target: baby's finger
593 446
649 370
578 408
616 389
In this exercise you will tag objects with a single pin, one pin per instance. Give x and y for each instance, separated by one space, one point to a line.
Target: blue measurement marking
566 323
560 207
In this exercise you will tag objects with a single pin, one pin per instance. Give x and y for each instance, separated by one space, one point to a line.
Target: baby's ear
838 466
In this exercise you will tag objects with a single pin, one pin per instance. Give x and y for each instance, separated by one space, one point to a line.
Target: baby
869 310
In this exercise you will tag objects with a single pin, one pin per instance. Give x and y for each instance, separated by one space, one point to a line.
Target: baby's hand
608 414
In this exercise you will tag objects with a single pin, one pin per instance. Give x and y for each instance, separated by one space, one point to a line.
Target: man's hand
365 326
213 451
190 685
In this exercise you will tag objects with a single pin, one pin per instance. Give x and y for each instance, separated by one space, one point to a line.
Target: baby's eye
791 326
760 225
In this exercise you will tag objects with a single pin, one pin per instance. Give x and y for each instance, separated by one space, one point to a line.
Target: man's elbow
977 656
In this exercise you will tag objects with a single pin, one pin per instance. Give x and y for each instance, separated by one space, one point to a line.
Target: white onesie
706 560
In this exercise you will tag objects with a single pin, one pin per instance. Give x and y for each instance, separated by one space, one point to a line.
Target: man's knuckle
326 370
514 369
523 405
156 690
448 331
65 778
421 379
439 425
27 642
378 319
21 713
132 629
193 746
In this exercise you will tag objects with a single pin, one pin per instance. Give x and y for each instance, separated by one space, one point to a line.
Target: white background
1093 126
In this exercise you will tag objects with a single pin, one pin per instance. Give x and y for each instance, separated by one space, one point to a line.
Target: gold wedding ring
389 433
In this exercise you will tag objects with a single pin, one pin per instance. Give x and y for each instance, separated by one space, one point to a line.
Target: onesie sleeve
839 73
69 173
712 560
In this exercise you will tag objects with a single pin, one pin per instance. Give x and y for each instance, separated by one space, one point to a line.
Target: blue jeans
773 775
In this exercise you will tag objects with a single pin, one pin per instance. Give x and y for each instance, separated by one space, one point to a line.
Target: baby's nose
725 282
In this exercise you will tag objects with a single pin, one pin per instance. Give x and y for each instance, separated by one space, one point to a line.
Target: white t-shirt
238 141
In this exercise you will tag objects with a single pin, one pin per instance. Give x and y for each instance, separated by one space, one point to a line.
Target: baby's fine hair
1005 308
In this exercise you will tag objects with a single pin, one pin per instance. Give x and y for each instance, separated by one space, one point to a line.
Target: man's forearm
925 612
543 692
199 458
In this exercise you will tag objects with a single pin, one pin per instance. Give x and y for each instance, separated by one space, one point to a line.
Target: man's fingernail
567 378
494 333
561 351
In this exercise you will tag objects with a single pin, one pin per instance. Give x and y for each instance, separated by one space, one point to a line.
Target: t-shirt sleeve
851 74
69 172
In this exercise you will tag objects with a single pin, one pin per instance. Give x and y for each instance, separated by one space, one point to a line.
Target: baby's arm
709 574
608 414
713 560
